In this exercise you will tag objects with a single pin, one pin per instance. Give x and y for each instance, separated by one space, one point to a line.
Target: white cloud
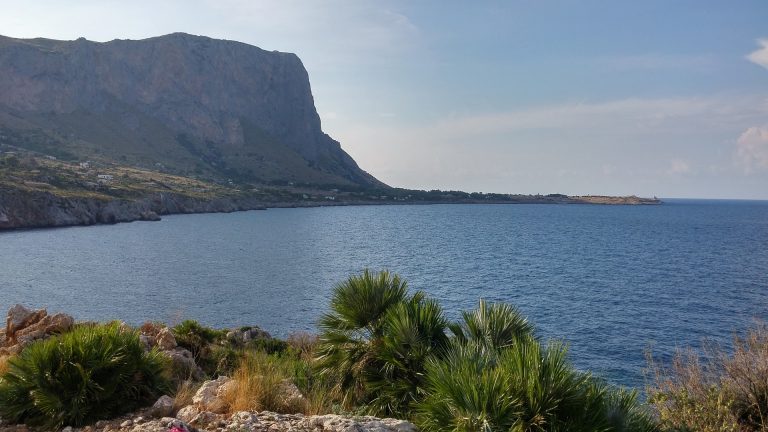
636 143
760 56
656 61
627 116
752 149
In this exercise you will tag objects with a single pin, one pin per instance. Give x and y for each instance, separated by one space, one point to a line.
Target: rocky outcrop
157 336
210 395
24 326
243 421
26 209
191 103
247 334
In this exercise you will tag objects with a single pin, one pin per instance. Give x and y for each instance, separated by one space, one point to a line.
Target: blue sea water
611 281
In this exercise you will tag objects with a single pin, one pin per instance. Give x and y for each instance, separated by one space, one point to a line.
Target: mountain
187 105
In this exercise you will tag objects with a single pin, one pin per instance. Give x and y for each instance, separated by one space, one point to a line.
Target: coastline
20 209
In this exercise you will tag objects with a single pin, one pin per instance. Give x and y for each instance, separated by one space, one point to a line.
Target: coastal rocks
161 337
165 340
35 209
162 408
247 334
291 394
269 421
24 326
209 396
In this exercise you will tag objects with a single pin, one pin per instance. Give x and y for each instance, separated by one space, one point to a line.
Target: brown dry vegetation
34 173
184 393
4 365
718 391
259 385
303 343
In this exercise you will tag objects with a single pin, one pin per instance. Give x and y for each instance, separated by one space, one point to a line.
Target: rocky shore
35 209
206 410
243 421
21 209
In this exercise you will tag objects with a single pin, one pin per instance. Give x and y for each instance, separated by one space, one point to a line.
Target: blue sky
666 98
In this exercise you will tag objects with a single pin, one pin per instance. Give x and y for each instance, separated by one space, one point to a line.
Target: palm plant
494 327
466 391
352 331
91 373
414 331
525 387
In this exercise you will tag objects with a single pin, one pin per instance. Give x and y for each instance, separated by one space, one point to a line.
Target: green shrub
194 337
414 331
353 329
269 346
495 326
201 342
525 387
376 340
91 373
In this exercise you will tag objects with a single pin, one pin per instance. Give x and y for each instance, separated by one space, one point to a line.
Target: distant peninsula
134 129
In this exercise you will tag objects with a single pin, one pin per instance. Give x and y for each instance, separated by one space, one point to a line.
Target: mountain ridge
190 105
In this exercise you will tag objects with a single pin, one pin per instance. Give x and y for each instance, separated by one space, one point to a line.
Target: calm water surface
610 280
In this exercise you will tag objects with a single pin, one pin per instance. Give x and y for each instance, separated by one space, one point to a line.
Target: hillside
181 104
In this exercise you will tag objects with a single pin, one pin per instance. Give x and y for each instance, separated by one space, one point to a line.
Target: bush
201 342
719 392
390 353
91 373
260 384
414 331
495 326
376 340
526 387
353 328
194 337
269 346
303 344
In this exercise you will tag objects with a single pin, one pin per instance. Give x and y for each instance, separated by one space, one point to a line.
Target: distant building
85 165
105 177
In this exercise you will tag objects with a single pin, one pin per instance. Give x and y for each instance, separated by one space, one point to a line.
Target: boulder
165 340
247 334
206 419
48 325
162 408
209 396
291 394
20 317
183 360
187 413
24 326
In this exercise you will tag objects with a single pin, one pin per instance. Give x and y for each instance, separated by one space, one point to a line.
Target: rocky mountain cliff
185 104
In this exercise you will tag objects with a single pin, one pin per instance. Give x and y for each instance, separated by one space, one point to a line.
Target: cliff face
188 104
34 209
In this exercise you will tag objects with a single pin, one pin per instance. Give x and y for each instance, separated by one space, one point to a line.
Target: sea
613 282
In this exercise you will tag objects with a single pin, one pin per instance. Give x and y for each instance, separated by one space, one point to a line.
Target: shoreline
22 210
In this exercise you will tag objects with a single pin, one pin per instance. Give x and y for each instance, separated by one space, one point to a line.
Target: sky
664 98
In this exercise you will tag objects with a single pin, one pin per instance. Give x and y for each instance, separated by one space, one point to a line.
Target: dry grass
260 384
4 365
716 391
184 393
303 343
